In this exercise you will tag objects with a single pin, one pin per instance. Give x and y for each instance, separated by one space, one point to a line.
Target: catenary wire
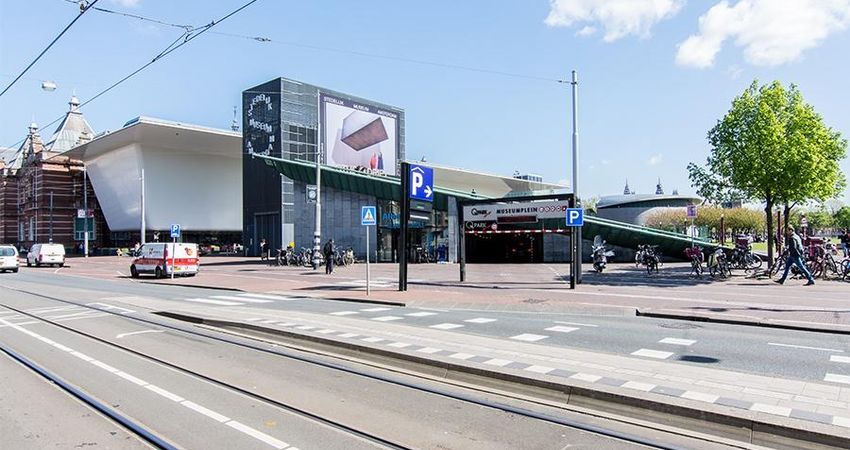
83 9
186 37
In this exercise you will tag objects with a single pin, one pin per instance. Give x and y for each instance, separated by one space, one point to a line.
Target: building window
80 229
20 232
32 229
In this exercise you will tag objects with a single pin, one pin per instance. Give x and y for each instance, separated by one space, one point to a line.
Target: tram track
246 343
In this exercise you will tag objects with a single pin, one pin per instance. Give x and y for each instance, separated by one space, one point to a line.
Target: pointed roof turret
626 190
72 128
658 189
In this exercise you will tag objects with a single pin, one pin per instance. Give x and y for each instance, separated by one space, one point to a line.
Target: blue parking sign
175 230
575 217
421 180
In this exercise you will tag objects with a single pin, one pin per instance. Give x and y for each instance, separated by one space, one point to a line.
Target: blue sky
655 75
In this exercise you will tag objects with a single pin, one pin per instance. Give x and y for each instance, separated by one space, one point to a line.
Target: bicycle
650 257
718 264
695 255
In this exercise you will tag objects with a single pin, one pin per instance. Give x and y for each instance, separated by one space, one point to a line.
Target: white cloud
586 31
619 18
126 3
771 32
655 160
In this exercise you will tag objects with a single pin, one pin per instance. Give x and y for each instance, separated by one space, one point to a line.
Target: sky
478 80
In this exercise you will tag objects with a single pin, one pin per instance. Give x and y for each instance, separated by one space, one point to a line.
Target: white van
155 258
53 254
8 258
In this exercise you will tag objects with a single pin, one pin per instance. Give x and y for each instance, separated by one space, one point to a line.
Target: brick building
41 191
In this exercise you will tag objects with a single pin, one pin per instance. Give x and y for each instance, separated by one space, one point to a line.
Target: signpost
368 217
575 219
692 214
175 233
417 184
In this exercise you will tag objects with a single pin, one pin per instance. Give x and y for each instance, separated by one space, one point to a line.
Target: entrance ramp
629 235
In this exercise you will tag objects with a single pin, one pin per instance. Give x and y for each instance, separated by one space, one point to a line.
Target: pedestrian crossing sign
368 215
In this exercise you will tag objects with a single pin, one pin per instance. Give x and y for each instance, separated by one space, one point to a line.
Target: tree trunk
768 211
786 212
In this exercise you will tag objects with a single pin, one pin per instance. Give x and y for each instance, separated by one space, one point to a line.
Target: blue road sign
368 215
575 217
421 180
175 230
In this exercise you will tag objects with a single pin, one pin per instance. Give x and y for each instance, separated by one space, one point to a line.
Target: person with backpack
795 257
845 242
329 252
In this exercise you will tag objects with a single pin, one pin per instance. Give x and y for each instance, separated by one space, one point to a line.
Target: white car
8 258
53 254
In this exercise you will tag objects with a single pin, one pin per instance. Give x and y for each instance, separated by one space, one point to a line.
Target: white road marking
305 327
771 409
267 321
676 341
577 324
387 318
30 322
267 297
164 393
399 345
375 309
446 326
160 391
421 314
326 331
586 377
104 366
212 302
462 356
839 359
480 320
51 309
539 369
528 337
652 353
108 307
207 412
833 350
372 339
429 350
257 434
561 329
700 396
498 362
122 335
645 387
834 378
65 316
841 421
344 313
253 319
240 299
348 335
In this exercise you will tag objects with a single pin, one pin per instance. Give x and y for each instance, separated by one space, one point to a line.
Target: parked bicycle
743 257
695 256
648 256
718 264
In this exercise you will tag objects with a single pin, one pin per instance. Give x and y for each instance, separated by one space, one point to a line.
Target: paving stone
611 381
665 390
733 402
811 416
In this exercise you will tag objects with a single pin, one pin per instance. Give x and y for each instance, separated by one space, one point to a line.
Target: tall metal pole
367 260
51 217
577 235
86 215
143 207
317 234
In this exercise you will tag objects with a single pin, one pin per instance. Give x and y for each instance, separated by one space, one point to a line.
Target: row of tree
772 148
733 221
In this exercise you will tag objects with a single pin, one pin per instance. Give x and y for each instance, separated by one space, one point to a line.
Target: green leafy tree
841 218
774 148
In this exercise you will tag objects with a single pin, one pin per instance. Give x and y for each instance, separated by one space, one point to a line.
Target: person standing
845 242
264 247
328 251
795 257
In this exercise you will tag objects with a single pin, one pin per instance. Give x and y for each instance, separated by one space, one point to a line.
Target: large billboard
358 135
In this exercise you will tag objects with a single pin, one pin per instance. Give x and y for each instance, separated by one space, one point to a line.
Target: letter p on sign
575 217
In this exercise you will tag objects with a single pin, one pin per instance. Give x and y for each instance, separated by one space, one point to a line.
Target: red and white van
156 258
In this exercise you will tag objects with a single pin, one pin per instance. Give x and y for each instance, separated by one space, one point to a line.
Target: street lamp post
85 214
51 217
577 232
317 234
142 179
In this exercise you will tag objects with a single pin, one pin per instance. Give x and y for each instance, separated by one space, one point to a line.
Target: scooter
600 254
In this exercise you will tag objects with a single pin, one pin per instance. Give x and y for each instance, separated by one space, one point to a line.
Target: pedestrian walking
329 251
264 248
845 242
795 257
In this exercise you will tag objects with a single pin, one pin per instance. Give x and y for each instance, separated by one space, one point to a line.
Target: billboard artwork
359 135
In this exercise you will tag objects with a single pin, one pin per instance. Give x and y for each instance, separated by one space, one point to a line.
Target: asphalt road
199 393
763 351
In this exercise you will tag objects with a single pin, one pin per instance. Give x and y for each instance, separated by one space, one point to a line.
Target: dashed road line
387 318
446 326
211 302
839 359
375 309
577 324
421 314
344 313
240 299
676 341
835 378
562 329
656 354
480 320
528 337
267 297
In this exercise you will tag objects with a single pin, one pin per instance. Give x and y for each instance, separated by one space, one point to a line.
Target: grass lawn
760 246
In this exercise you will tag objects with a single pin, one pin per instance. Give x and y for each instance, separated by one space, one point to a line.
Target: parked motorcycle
600 254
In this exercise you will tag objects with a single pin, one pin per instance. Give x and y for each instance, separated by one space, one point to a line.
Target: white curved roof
625 200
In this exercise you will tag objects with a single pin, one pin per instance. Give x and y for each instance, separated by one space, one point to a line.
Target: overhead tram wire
262 39
187 36
83 9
